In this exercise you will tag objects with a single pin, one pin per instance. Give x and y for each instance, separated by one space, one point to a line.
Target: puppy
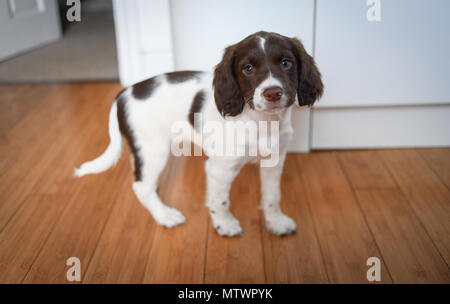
258 80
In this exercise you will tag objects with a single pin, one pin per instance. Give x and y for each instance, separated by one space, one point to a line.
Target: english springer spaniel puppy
258 79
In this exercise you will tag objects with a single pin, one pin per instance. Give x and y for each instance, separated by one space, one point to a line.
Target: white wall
203 28
143 36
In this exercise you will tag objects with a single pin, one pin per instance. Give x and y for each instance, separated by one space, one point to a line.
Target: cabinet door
27 24
401 60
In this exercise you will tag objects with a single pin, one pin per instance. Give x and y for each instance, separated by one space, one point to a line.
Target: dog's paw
227 225
280 224
169 217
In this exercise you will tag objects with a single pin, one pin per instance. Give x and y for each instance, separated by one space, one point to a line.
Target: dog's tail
112 154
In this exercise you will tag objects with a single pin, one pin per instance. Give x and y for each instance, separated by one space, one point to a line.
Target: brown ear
310 86
228 96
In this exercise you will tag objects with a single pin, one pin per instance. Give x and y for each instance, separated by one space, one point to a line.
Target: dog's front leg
220 173
276 221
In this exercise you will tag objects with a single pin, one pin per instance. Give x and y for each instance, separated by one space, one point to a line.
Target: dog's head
267 71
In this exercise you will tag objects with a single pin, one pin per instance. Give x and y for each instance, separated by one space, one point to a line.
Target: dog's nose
273 94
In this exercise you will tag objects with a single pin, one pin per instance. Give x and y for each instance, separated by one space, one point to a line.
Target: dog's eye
248 69
286 64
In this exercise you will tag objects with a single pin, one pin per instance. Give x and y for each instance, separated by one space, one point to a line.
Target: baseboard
381 127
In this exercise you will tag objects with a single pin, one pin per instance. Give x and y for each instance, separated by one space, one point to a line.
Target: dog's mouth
269 108
272 107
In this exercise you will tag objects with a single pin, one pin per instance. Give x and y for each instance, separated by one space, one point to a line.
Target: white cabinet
401 60
387 82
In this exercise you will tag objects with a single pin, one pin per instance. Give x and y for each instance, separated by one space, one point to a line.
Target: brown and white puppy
258 80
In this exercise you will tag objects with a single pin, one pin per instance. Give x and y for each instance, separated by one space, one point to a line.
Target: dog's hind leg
154 157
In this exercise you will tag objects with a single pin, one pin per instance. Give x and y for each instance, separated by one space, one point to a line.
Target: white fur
112 154
151 122
262 42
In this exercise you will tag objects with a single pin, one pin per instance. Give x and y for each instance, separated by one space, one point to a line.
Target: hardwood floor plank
23 236
344 237
49 115
20 129
11 111
296 258
122 252
406 247
238 259
79 227
439 161
177 255
54 184
427 195
365 170
34 164
407 250
22 239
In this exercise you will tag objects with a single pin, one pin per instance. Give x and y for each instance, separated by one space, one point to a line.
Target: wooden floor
349 206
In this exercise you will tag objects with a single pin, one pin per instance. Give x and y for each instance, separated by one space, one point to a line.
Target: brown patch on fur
181 76
227 93
197 104
144 89
128 134
310 86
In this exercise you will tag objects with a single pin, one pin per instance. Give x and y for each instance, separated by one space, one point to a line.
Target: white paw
169 217
227 225
280 224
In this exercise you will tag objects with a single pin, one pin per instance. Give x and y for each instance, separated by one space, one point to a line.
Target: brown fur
181 76
144 89
197 104
127 132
